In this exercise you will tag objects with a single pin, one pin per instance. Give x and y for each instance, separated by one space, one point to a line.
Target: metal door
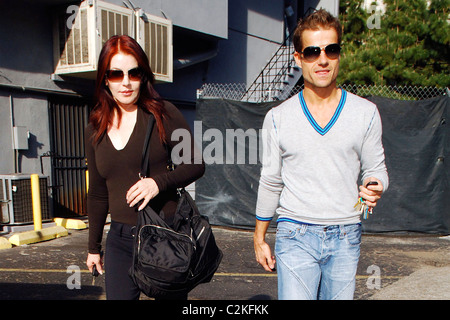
68 118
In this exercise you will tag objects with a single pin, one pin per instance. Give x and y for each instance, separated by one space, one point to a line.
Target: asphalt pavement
392 267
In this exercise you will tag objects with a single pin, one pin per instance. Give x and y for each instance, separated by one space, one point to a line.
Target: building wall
30 111
331 6
205 16
256 30
7 158
26 63
26 41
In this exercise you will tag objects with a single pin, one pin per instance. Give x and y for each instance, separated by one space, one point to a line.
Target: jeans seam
278 258
343 289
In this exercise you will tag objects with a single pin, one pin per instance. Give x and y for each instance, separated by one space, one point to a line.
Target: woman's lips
127 93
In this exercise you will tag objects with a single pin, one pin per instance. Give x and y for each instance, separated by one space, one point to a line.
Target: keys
363 208
361 205
94 274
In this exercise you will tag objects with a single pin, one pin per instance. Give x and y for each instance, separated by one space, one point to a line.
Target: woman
114 141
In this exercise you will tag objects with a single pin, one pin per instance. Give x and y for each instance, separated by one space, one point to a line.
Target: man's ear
298 58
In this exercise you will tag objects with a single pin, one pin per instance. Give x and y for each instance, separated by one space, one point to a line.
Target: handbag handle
145 150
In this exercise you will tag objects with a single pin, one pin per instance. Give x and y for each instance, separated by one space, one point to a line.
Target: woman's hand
95 259
145 189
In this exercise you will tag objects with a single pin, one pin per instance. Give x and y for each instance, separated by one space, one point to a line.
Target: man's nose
323 59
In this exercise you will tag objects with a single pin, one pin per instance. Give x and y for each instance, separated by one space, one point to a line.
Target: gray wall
256 30
26 42
30 111
206 16
26 61
330 5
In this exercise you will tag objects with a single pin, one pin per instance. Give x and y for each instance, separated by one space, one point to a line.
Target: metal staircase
277 79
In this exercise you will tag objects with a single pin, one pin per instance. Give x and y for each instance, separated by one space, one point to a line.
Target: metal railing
237 91
272 79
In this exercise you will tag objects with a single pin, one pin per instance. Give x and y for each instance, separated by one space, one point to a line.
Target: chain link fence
237 91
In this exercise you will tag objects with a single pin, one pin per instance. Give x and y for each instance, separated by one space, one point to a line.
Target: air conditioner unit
80 32
16 200
154 34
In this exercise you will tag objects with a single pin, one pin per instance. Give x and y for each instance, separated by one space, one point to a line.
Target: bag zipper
167 229
201 231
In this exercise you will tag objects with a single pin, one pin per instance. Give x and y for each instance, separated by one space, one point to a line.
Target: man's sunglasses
312 53
134 74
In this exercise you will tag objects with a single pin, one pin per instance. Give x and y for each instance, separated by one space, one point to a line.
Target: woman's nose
125 80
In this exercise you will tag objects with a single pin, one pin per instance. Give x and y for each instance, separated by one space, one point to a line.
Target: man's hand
262 249
372 193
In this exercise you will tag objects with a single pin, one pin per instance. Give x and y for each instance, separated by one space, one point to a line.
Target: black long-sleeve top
112 172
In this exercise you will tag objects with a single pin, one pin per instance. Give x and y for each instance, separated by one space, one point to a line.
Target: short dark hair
318 19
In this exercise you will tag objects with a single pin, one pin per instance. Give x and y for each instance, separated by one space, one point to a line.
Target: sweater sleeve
97 198
270 183
188 160
372 153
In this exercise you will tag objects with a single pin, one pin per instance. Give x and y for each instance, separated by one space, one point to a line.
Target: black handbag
172 260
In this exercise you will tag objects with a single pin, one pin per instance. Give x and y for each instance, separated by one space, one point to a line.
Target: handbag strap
171 166
146 153
145 150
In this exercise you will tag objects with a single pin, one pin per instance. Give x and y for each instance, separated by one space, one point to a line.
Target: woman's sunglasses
312 53
134 74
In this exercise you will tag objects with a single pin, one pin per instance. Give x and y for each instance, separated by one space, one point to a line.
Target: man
317 144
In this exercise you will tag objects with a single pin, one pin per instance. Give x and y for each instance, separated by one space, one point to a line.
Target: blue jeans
316 262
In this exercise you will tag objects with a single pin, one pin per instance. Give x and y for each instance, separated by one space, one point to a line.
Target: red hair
149 100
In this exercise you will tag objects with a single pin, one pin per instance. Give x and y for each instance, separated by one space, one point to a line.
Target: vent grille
113 23
78 44
73 42
17 204
156 46
155 37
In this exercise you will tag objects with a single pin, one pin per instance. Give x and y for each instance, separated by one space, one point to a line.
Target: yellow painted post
87 181
36 198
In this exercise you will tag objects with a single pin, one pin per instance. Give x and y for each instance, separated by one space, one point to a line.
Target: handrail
270 79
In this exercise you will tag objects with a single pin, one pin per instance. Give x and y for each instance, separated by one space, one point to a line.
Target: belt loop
341 232
121 232
303 228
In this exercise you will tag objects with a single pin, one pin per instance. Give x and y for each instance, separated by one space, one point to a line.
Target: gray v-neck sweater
310 173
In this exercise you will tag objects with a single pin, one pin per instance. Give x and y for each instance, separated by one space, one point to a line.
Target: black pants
118 260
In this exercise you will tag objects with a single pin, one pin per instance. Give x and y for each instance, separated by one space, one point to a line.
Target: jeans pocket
353 234
287 230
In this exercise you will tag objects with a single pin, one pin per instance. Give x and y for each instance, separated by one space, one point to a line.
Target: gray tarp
416 142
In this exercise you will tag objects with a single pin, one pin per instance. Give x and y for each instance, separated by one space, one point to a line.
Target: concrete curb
427 283
4 243
70 223
44 234
56 229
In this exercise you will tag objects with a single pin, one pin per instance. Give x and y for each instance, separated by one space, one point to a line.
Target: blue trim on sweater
319 129
263 219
